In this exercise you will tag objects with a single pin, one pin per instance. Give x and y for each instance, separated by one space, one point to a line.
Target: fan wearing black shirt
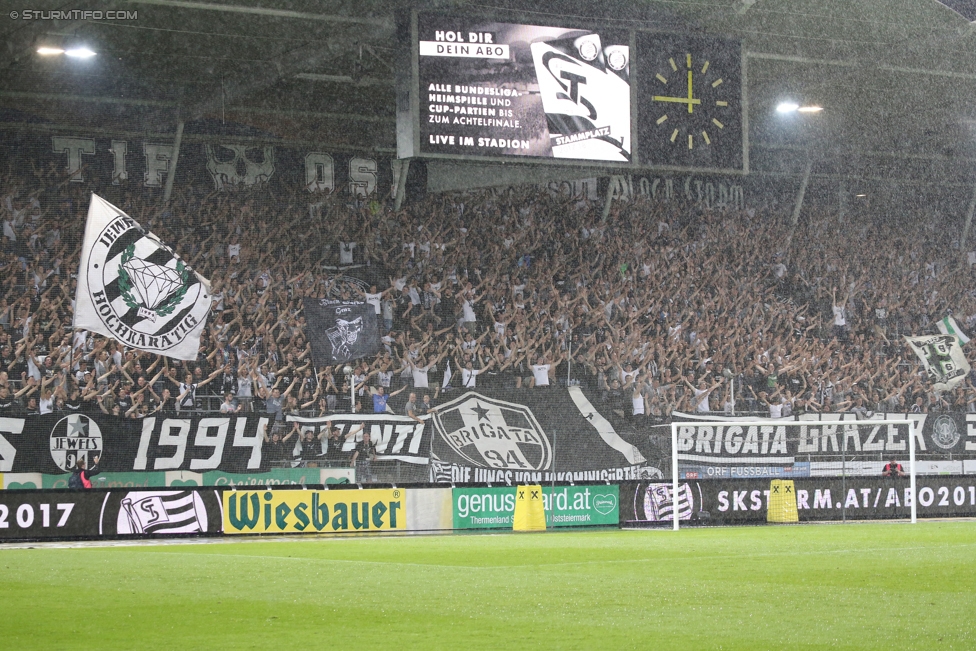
32 409
6 401
362 458
277 446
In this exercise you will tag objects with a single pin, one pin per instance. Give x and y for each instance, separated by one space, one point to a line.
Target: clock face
690 102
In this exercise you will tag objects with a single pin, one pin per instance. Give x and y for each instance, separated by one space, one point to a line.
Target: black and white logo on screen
75 437
492 433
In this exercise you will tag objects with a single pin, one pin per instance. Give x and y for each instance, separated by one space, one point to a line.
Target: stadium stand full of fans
658 307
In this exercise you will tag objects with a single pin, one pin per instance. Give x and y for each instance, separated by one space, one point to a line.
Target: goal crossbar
793 423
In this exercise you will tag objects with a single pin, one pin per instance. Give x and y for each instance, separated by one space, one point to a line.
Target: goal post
702 450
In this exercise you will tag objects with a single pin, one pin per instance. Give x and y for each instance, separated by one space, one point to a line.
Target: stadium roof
897 78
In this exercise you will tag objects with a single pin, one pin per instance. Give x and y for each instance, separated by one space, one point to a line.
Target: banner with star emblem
529 436
135 289
52 444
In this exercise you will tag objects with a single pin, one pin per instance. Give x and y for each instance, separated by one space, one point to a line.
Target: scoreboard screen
501 91
523 90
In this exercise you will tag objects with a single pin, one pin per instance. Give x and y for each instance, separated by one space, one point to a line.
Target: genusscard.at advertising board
565 506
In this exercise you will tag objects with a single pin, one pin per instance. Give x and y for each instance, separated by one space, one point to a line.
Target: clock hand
679 100
690 100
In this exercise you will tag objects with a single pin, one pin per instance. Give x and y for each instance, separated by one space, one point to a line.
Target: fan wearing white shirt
374 297
540 371
420 380
840 313
469 374
700 401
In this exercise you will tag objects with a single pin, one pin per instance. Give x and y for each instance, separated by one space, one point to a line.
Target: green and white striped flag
942 358
948 326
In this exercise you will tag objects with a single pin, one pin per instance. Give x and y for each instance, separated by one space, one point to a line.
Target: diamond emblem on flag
137 290
152 282
160 288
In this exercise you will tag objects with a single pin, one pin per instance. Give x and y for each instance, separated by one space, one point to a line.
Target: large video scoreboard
488 90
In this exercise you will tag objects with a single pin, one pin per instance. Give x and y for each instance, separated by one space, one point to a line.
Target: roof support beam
61 97
858 64
358 117
969 220
118 134
744 6
266 11
344 79
870 152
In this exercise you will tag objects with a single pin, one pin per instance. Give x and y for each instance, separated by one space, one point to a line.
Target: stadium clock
693 105
689 101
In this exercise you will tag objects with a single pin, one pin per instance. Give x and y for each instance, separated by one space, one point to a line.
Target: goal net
728 472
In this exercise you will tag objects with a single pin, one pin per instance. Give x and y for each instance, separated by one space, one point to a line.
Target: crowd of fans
655 307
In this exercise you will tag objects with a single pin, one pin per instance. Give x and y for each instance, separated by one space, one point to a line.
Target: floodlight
787 107
80 53
47 51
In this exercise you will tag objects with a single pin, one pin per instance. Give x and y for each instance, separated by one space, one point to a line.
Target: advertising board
313 511
565 506
744 501
33 515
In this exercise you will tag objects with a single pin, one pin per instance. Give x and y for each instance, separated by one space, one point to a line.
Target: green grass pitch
861 586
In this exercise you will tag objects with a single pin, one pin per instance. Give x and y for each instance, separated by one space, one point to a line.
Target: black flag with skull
340 331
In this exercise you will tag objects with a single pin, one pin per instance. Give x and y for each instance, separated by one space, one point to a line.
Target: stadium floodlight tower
802 433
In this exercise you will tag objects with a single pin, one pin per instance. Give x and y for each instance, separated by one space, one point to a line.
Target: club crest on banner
585 91
491 433
134 288
945 434
161 512
75 437
660 505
